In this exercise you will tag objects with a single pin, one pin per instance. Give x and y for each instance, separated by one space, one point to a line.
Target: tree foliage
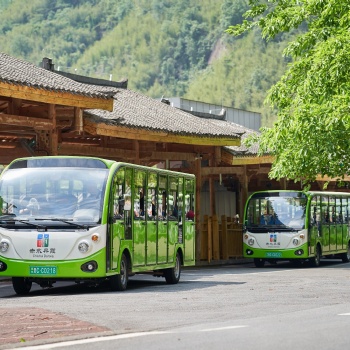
311 134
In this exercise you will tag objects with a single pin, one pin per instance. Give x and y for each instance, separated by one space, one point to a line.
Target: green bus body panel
117 235
275 253
172 239
65 269
189 231
151 248
139 239
162 242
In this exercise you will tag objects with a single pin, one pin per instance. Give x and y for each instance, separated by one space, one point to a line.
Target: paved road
231 307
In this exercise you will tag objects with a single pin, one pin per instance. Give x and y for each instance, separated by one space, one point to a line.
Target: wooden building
45 112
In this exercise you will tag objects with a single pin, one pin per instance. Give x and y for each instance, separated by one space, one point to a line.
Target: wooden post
283 184
244 191
224 242
216 238
212 189
54 132
210 240
198 173
137 151
78 120
204 241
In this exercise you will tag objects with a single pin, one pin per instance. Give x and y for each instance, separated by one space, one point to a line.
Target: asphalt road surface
228 307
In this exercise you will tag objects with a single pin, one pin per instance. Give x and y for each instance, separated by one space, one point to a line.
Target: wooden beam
17 120
148 135
190 157
55 97
252 160
207 171
334 179
104 152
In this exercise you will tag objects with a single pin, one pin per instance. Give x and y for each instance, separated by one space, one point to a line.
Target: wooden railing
220 240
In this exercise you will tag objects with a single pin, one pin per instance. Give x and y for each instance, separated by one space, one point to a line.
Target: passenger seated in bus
265 218
270 219
91 197
62 204
34 201
190 214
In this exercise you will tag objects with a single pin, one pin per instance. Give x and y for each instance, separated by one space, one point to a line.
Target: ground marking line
90 340
221 328
347 314
115 337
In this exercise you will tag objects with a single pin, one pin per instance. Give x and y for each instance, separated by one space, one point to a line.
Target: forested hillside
168 47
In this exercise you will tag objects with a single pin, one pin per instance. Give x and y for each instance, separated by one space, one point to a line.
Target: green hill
168 47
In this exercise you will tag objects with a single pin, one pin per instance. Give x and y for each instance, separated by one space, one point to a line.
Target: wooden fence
220 240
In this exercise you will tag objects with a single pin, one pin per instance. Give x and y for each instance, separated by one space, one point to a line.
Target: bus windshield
69 193
283 209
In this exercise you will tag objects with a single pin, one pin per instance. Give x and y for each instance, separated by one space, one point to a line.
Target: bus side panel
325 238
313 234
333 237
117 234
151 245
162 242
139 256
345 236
339 242
189 244
172 239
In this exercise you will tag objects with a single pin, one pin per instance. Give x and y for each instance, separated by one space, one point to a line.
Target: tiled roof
19 72
134 110
243 150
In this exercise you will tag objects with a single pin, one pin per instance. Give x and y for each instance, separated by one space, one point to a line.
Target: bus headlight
251 241
4 246
83 247
295 241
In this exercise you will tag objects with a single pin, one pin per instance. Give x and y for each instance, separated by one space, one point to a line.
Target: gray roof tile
243 150
134 110
19 72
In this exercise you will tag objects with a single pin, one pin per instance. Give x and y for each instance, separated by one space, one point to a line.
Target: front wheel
316 260
346 256
259 262
120 282
21 285
172 275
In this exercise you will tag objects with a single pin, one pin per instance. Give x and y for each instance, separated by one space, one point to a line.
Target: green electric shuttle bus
86 219
296 226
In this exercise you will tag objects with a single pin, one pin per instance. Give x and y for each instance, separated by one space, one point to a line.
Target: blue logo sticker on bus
273 238
42 240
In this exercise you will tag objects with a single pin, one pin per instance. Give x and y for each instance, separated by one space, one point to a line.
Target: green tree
311 134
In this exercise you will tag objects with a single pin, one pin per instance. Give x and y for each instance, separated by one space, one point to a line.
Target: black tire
346 256
316 260
172 275
21 285
259 262
119 282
